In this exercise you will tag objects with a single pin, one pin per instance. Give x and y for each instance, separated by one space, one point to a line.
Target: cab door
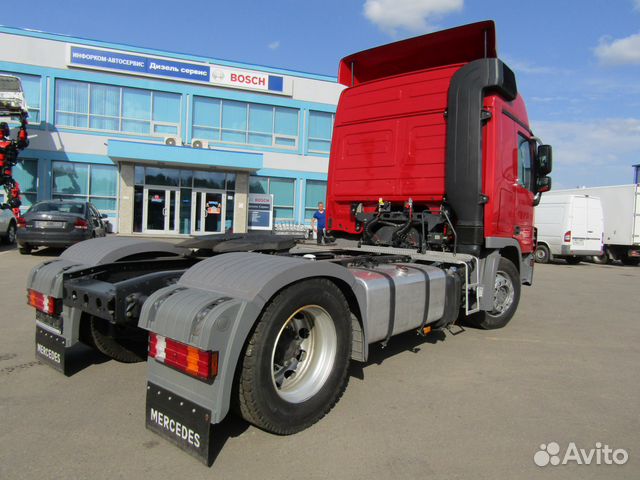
524 188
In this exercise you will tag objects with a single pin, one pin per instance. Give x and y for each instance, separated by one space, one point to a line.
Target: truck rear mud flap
180 421
52 350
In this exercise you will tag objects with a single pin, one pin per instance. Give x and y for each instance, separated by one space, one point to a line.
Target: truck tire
123 344
542 254
601 259
506 297
295 363
573 260
630 261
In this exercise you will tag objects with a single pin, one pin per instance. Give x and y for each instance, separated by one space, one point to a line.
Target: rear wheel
506 296
122 343
542 254
295 363
573 260
630 261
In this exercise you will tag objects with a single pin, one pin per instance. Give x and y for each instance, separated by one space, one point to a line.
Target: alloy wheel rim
503 293
303 354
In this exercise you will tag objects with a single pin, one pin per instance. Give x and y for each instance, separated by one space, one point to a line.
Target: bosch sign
248 79
125 62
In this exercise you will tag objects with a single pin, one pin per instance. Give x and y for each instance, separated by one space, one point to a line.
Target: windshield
63 207
10 84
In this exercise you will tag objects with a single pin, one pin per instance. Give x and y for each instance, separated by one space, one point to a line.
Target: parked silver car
8 226
59 223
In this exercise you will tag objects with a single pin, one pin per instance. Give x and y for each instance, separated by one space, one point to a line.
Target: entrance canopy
122 150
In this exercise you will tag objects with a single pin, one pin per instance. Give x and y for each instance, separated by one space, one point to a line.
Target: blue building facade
167 143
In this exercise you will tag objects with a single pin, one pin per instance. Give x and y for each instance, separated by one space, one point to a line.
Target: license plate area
54 321
578 241
51 349
180 421
48 224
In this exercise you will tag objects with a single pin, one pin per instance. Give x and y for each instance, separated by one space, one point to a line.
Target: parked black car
59 223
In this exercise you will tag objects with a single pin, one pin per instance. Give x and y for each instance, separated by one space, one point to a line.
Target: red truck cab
432 147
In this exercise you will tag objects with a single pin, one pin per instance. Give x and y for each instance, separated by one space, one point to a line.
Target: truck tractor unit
433 176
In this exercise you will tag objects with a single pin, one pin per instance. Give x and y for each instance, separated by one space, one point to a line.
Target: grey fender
47 277
214 307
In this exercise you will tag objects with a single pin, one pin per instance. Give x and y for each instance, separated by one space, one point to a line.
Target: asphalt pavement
462 404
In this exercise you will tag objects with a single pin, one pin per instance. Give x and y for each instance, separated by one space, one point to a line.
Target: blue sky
577 63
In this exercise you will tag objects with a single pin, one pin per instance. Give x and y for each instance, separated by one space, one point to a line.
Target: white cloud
411 15
274 45
620 51
594 152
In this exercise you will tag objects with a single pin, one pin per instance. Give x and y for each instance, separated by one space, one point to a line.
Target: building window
26 174
244 123
283 191
320 130
117 109
31 89
316 191
97 184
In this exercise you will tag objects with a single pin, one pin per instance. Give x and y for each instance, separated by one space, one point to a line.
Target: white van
569 227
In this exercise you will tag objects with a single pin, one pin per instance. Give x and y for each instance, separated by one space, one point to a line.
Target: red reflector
153 342
184 358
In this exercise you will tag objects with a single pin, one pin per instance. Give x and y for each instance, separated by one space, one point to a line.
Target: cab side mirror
104 215
543 184
544 160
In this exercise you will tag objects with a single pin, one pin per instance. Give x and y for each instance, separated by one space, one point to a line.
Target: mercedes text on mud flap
434 217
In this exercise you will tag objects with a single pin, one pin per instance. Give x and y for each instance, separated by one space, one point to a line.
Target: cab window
524 162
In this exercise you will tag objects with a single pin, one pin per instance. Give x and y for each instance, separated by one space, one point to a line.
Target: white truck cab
570 226
12 99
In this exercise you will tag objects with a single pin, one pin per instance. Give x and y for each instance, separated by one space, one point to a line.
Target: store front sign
260 211
158 67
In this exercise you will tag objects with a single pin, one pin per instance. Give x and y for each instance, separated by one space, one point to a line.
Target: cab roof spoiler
454 46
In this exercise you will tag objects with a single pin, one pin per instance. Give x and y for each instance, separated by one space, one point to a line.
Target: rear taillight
567 236
22 223
81 224
185 358
44 303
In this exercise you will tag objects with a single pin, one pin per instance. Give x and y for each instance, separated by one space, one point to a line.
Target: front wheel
602 259
295 363
506 296
10 237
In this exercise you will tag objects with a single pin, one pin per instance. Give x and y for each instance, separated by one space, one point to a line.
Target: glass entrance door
160 210
207 212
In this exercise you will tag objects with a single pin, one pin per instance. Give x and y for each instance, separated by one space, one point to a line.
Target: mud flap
51 349
180 421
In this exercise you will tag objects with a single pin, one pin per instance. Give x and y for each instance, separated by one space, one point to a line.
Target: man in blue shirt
319 223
